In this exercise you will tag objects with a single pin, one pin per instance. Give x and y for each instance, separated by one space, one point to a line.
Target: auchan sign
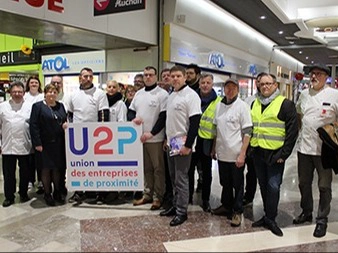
52 5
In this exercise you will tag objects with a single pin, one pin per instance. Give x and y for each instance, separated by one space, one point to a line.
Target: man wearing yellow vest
275 132
206 134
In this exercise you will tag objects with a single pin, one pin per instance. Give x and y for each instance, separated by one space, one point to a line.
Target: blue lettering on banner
217 59
122 142
117 163
58 64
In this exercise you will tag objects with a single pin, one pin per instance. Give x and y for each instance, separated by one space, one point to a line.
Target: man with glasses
317 106
138 81
274 135
57 80
15 143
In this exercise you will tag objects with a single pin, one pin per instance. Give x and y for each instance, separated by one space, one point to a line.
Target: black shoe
59 197
178 220
302 218
8 202
49 200
259 223
273 227
206 207
320 230
40 190
99 200
77 197
64 191
24 199
221 210
169 212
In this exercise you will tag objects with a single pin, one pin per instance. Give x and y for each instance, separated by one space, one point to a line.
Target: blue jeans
270 178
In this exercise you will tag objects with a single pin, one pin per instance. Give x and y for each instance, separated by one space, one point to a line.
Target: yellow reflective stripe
212 131
268 137
272 125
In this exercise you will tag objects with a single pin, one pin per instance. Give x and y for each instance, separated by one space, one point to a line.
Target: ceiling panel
250 11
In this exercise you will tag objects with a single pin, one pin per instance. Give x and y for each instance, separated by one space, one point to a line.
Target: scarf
112 99
268 100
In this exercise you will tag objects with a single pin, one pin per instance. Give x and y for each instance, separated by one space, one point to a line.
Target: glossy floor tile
122 227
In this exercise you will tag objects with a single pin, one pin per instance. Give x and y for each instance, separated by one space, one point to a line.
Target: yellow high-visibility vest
207 130
268 130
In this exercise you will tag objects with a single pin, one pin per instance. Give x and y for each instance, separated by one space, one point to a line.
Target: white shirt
85 104
181 106
148 105
317 109
229 121
14 128
28 97
118 112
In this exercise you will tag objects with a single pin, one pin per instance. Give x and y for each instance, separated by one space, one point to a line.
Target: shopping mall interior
288 40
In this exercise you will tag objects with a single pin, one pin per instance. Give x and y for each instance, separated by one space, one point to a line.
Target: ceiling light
307 57
262 17
312 62
300 52
291 42
280 32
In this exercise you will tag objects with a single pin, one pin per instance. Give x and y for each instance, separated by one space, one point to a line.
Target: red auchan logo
101 4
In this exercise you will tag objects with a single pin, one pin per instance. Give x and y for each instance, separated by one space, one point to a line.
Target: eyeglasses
267 84
55 82
318 74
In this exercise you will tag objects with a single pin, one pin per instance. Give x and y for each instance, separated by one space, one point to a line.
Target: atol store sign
103 7
73 63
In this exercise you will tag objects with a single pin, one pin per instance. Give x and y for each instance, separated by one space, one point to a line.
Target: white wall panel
140 25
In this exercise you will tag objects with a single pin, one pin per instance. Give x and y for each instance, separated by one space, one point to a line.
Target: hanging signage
17 58
104 7
73 62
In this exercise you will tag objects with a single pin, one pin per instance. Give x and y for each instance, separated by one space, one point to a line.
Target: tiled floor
34 227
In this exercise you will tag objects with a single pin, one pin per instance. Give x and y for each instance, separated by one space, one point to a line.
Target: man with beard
193 74
317 106
87 104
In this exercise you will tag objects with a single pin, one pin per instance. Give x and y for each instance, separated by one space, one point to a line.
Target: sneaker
236 220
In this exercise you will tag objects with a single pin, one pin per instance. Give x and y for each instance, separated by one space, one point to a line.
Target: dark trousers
232 181
9 163
168 195
250 179
34 167
270 178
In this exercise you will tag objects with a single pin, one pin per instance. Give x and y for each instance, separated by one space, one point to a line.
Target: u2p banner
104 156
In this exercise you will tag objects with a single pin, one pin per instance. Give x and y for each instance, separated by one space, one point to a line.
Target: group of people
185 125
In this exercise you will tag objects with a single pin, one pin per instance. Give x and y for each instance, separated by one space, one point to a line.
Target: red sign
100 5
53 5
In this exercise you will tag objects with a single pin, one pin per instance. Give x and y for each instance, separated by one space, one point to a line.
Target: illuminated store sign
73 62
103 7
